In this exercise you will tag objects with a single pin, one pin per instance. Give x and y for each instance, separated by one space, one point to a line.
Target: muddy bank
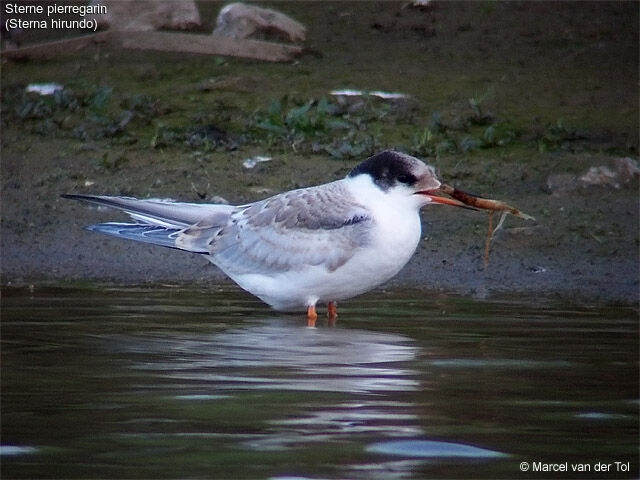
503 97
583 247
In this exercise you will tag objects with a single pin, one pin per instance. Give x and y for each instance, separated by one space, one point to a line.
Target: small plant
99 101
436 123
498 136
558 135
164 137
423 142
312 126
356 143
110 164
478 115
468 144
428 142
312 118
33 106
142 106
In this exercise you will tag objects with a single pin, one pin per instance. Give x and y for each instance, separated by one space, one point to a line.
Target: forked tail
159 222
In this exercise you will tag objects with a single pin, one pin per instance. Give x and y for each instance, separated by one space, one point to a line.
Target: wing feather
321 225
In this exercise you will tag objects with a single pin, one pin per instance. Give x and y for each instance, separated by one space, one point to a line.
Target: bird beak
435 198
431 188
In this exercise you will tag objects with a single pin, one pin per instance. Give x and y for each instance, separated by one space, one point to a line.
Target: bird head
402 175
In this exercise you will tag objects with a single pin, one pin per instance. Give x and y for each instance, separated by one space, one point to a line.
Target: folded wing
319 226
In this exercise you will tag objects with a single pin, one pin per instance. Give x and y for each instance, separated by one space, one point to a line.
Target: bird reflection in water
358 379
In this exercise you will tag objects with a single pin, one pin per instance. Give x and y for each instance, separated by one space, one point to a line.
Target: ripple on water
432 449
6 450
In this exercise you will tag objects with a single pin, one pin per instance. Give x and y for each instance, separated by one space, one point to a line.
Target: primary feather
155 234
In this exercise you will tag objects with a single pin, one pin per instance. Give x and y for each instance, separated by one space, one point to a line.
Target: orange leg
332 313
312 316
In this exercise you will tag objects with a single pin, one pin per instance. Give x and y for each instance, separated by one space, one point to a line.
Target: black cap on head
389 168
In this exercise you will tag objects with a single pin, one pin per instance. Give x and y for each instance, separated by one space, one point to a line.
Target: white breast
397 232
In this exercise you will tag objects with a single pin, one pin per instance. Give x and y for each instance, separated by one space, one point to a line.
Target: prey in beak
460 198
434 197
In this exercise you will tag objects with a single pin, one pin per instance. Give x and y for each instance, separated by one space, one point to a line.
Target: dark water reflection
170 383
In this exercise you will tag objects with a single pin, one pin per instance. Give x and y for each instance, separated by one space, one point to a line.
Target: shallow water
177 383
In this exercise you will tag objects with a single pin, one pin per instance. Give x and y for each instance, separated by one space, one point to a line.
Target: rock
132 25
148 15
239 21
623 171
599 176
420 3
362 93
253 161
44 88
218 199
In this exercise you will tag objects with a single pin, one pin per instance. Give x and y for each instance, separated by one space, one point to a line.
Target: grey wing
315 226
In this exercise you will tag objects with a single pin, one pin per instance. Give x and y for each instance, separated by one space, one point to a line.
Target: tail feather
155 211
154 234
160 221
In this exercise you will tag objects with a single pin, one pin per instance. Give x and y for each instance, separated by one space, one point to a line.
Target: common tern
299 248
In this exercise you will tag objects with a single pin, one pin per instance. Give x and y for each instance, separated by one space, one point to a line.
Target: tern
296 249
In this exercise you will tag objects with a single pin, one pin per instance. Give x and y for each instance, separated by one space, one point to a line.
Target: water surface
183 383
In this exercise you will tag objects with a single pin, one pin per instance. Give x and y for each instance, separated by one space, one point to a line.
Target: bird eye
407 179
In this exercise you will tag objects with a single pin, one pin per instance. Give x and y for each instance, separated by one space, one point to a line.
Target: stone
240 21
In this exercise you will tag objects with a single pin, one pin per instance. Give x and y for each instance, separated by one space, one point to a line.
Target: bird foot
312 316
332 313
